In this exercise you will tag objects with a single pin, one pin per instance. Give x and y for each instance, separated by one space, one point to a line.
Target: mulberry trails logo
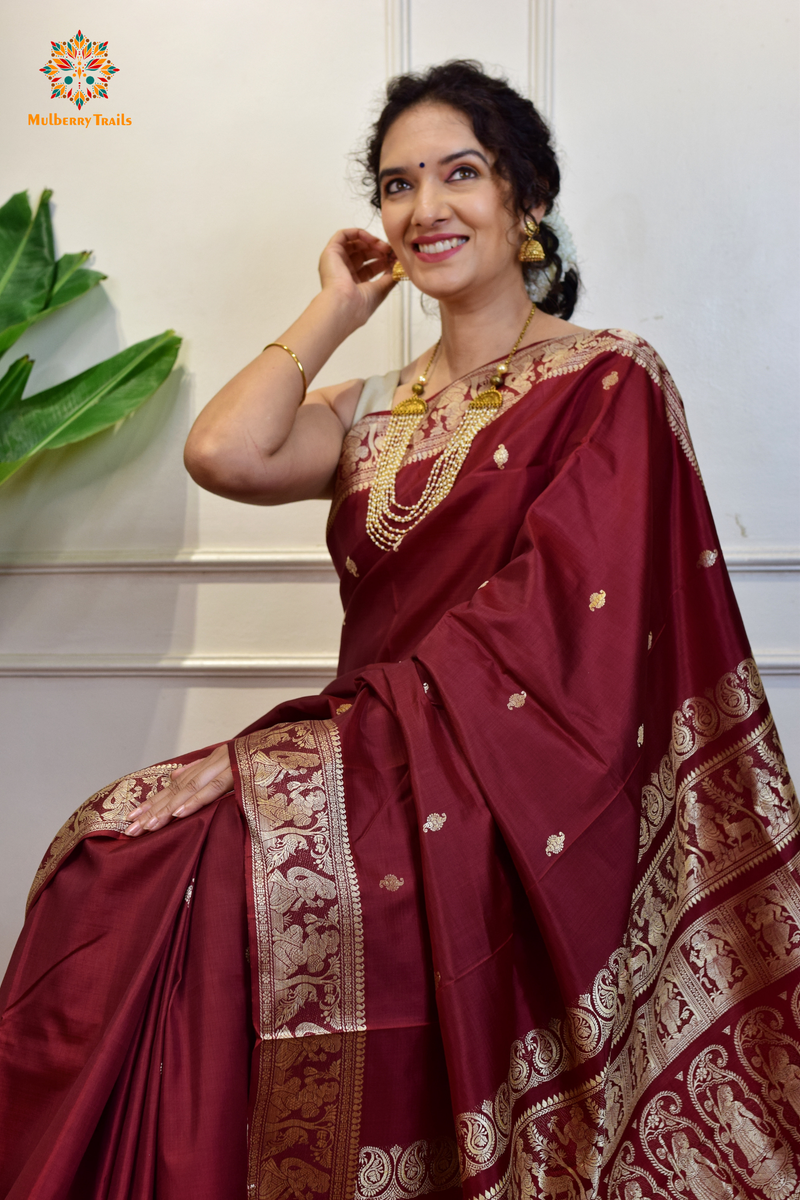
78 71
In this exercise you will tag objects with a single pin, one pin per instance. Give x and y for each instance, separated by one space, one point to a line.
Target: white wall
141 617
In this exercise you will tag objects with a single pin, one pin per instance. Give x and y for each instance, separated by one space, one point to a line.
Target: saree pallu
511 910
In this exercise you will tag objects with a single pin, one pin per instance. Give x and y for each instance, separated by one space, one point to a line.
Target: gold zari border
107 811
543 360
659 993
310 964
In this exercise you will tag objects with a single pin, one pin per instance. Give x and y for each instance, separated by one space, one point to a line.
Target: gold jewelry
399 272
281 346
388 521
531 250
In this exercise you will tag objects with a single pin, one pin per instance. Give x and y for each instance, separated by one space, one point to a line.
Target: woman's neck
478 329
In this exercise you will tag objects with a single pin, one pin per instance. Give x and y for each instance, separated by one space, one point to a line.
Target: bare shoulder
340 398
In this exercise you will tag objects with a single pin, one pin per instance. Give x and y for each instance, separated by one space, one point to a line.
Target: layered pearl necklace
388 521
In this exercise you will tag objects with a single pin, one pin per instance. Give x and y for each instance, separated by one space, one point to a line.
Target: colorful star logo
79 70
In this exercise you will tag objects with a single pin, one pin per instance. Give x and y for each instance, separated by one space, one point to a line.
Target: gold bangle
281 346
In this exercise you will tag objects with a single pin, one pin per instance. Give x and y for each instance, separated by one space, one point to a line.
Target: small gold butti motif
437 979
392 882
343 708
482 585
597 600
187 898
610 380
650 641
500 456
351 566
640 736
708 558
555 844
434 822
516 700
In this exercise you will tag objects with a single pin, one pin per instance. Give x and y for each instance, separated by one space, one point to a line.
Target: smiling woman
511 908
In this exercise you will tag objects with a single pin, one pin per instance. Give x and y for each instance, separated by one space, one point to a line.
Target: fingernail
132 829
178 811
151 824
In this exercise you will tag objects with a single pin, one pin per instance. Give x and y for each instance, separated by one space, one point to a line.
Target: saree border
308 965
543 360
107 811
662 989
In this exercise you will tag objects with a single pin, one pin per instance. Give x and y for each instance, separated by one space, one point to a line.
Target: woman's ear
536 214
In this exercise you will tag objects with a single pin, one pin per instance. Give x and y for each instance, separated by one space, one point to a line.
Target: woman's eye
464 173
395 185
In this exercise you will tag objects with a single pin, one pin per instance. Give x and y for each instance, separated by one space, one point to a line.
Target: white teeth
440 247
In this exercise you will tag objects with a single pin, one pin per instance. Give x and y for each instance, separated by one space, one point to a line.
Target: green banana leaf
32 284
83 405
12 385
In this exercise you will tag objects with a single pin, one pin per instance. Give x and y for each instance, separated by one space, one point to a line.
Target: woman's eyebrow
463 154
391 171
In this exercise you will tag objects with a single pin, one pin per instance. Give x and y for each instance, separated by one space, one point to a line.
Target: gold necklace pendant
491 398
388 521
413 407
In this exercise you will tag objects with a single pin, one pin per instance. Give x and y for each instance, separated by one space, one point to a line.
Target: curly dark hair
508 125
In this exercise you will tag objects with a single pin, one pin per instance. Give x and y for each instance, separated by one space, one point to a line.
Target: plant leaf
12 385
27 260
72 280
7 469
89 402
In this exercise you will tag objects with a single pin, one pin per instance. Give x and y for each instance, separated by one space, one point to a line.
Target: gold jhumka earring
531 250
399 273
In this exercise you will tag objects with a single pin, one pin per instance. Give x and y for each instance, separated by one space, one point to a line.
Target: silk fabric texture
510 910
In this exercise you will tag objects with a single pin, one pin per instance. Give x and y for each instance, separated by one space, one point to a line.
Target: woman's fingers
190 788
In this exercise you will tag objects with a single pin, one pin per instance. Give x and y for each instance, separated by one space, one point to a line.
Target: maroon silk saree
511 910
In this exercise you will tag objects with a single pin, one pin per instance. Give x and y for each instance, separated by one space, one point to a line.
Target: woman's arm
254 441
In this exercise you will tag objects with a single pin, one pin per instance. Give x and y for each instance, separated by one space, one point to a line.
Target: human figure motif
710 955
757 781
766 1156
668 1003
786 1076
651 920
577 1130
767 917
709 837
701 1176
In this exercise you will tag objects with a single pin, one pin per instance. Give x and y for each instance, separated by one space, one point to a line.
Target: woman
470 921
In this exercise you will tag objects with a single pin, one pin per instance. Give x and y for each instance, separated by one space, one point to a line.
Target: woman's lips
438 249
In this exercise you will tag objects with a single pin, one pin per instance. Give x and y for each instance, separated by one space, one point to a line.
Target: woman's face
445 213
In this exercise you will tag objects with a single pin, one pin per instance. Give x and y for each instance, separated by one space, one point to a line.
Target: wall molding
298 561
541 55
398 62
275 671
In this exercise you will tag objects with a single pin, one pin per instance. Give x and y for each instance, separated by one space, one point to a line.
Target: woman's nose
431 203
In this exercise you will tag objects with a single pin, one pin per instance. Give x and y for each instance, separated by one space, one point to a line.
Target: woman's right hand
358 266
255 441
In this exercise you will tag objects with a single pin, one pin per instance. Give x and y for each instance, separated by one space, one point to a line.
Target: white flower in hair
566 247
538 282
